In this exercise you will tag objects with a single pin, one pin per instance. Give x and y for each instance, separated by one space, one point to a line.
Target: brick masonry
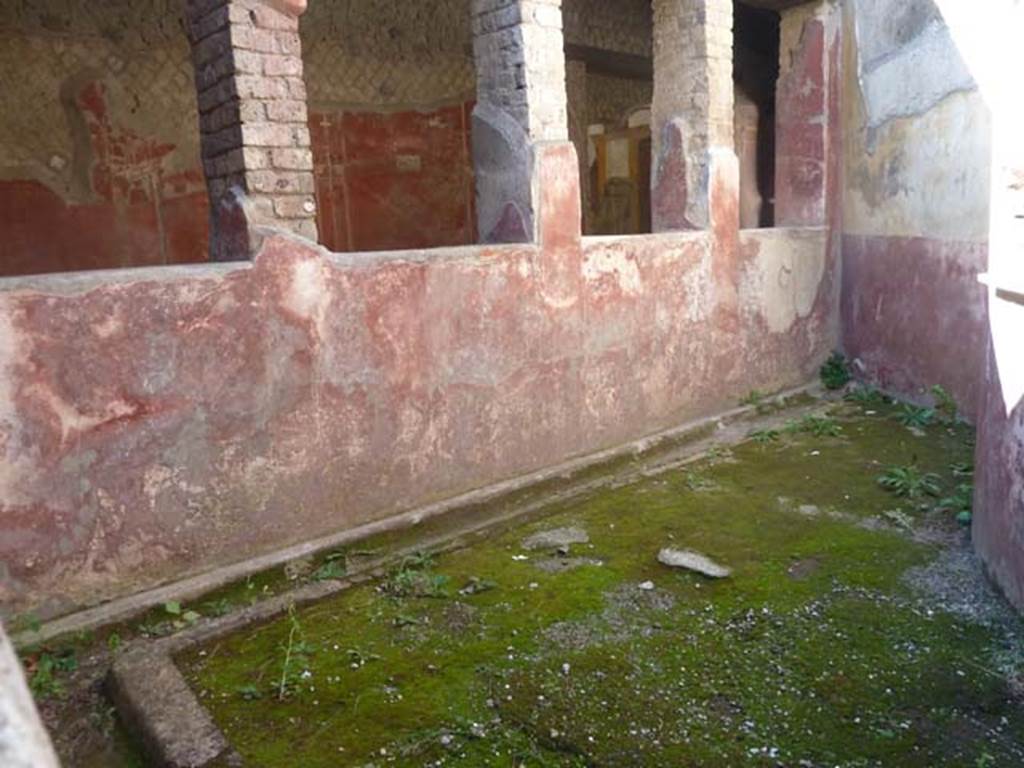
521 103
253 120
96 82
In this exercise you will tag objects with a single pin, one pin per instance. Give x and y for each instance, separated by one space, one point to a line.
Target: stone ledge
153 698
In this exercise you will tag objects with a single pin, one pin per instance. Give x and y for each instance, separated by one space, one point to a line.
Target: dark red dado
914 314
998 530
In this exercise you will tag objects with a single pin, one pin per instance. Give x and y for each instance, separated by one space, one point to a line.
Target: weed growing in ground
765 436
913 416
180 618
334 566
45 671
297 654
759 401
219 607
960 503
754 397
945 405
698 482
909 482
835 373
819 426
415 578
866 395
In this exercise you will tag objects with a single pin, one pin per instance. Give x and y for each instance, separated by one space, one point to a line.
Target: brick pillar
521 104
692 113
576 92
806 130
252 120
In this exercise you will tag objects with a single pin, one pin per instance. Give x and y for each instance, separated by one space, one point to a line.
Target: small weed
912 416
114 642
297 654
960 503
180 618
765 436
698 482
415 578
334 566
962 469
866 395
45 672
899 518
754 397
357 659
405 620
835 373
909 482
249 692
820 426
104 720
155 629
26 622
719 453
477 586
945 405
220 607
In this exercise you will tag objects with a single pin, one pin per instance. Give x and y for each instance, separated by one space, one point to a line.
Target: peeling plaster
612 261
905 77
782 281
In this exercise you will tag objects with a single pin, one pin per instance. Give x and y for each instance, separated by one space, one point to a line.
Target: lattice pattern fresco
53 49
612 25
610 99
388 53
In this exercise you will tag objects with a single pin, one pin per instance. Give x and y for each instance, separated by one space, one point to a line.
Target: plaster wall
155 423
915 203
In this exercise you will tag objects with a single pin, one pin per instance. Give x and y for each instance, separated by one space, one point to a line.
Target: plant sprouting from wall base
835 373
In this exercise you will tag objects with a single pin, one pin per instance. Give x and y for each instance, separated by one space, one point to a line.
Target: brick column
692 113
252 120
521 104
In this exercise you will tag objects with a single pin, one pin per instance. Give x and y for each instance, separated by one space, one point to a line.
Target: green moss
814 649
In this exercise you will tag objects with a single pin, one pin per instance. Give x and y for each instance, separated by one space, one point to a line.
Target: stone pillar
24 742
806 115
748 120
692 113
521 104
576 93
252 120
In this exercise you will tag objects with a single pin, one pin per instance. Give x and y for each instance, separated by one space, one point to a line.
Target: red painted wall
998 530
388 181
156 424
137 213
914 314
384 181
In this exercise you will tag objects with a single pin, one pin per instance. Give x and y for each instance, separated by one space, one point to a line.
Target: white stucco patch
613 261
915 78
782 282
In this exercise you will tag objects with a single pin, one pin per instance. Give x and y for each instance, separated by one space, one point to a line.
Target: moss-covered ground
839 640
